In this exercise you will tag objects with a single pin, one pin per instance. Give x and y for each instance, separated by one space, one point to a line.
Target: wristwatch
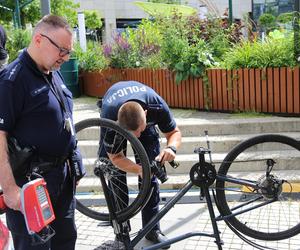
173 148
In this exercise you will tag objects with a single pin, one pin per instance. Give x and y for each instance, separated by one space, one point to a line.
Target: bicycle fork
203 175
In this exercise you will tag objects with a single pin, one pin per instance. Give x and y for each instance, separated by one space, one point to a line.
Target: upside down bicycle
262 203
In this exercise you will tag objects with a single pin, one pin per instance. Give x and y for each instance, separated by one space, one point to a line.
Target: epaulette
12 72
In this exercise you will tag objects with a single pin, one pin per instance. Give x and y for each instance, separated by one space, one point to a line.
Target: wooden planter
271 90
97 83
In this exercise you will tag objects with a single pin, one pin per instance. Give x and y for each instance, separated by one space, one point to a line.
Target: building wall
125 9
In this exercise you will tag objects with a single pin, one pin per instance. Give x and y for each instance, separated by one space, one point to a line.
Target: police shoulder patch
12 72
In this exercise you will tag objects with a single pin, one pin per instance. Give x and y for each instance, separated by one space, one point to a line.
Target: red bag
4 236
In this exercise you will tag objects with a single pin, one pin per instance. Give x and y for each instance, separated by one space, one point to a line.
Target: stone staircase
224 134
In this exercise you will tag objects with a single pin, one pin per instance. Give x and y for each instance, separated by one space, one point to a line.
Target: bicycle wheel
90 196
269 163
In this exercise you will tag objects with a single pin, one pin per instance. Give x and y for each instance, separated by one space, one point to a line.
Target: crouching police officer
36 111
138 109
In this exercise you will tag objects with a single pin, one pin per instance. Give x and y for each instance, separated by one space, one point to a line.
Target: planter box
97 83
271 90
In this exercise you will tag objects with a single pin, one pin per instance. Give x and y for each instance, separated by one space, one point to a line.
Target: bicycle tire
94 204
271 223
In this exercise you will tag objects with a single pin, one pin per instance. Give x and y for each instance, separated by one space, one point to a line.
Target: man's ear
145 112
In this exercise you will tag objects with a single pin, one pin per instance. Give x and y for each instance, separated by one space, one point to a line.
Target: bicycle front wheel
128 192
257 187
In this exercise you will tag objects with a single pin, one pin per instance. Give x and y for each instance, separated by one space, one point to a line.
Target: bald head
131 116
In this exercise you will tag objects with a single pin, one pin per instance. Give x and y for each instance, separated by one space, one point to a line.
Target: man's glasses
62 51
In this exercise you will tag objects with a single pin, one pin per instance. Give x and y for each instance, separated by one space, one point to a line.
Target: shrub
91 60
275 51
17 40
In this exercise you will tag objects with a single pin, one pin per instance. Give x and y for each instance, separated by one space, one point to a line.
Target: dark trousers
60 187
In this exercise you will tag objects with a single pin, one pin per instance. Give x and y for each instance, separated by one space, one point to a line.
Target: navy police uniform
158 113
31 112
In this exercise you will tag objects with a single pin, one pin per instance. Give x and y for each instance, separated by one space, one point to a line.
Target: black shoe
157 236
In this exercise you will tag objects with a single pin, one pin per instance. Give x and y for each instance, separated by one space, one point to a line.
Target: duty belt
45 163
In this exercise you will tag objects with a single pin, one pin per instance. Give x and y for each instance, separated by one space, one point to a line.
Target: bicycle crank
203 175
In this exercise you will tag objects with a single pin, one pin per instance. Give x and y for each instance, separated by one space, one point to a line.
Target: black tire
94 204
278 220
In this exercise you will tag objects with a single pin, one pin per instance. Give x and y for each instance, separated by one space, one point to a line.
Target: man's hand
166 154
12 197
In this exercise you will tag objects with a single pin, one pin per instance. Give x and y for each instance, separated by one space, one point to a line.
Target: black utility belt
44 164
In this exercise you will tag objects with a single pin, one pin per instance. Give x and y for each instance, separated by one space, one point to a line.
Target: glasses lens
64 52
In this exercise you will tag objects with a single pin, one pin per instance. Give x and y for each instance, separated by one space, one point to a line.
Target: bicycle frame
204 184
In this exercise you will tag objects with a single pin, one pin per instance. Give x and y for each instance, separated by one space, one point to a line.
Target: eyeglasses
62 51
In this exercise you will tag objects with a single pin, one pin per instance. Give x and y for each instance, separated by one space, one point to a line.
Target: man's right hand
12 197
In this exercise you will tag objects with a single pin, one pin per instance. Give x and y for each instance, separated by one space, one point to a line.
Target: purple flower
107 50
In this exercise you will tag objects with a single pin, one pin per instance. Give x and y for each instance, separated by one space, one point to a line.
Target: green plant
285 17
275 51
92 59
267 21
18 39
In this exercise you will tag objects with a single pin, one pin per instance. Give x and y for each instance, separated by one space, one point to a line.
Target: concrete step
250 161
218 144
196 128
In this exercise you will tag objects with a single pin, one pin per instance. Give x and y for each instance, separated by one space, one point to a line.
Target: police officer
139 108
36 110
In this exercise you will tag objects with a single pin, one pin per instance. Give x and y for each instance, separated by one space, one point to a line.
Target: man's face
142 126
56 47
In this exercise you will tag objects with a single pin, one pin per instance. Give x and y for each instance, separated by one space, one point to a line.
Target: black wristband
173 148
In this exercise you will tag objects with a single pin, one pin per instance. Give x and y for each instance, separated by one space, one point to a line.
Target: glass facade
274 7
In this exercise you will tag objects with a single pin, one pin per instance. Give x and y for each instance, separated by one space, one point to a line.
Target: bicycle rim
90 196
248 160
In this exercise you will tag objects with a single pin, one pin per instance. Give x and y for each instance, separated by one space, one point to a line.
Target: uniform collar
26 58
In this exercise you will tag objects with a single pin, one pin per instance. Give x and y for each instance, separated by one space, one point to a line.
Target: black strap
57 91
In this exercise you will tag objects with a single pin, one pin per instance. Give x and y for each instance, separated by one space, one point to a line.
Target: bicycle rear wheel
90 196
271 162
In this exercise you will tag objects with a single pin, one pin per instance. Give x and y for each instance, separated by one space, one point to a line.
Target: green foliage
65 8
92 19
18 39
275 51
31 13
91 60
267 21
285 17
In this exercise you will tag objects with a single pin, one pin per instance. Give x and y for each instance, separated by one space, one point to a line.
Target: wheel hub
271 187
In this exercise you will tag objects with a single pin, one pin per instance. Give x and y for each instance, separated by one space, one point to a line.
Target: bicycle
253 206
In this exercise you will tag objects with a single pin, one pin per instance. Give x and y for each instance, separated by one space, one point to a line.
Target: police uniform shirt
30 111
158 112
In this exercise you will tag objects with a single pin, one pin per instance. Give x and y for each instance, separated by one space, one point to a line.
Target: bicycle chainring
203 175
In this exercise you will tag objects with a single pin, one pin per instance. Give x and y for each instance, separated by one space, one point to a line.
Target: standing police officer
36 109
138 109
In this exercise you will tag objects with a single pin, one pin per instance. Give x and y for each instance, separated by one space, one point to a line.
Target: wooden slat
219 90
229 86
270 94
224 90
258 90
283 91
252 90
289 88
276 93
246 83
240 80
296 91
